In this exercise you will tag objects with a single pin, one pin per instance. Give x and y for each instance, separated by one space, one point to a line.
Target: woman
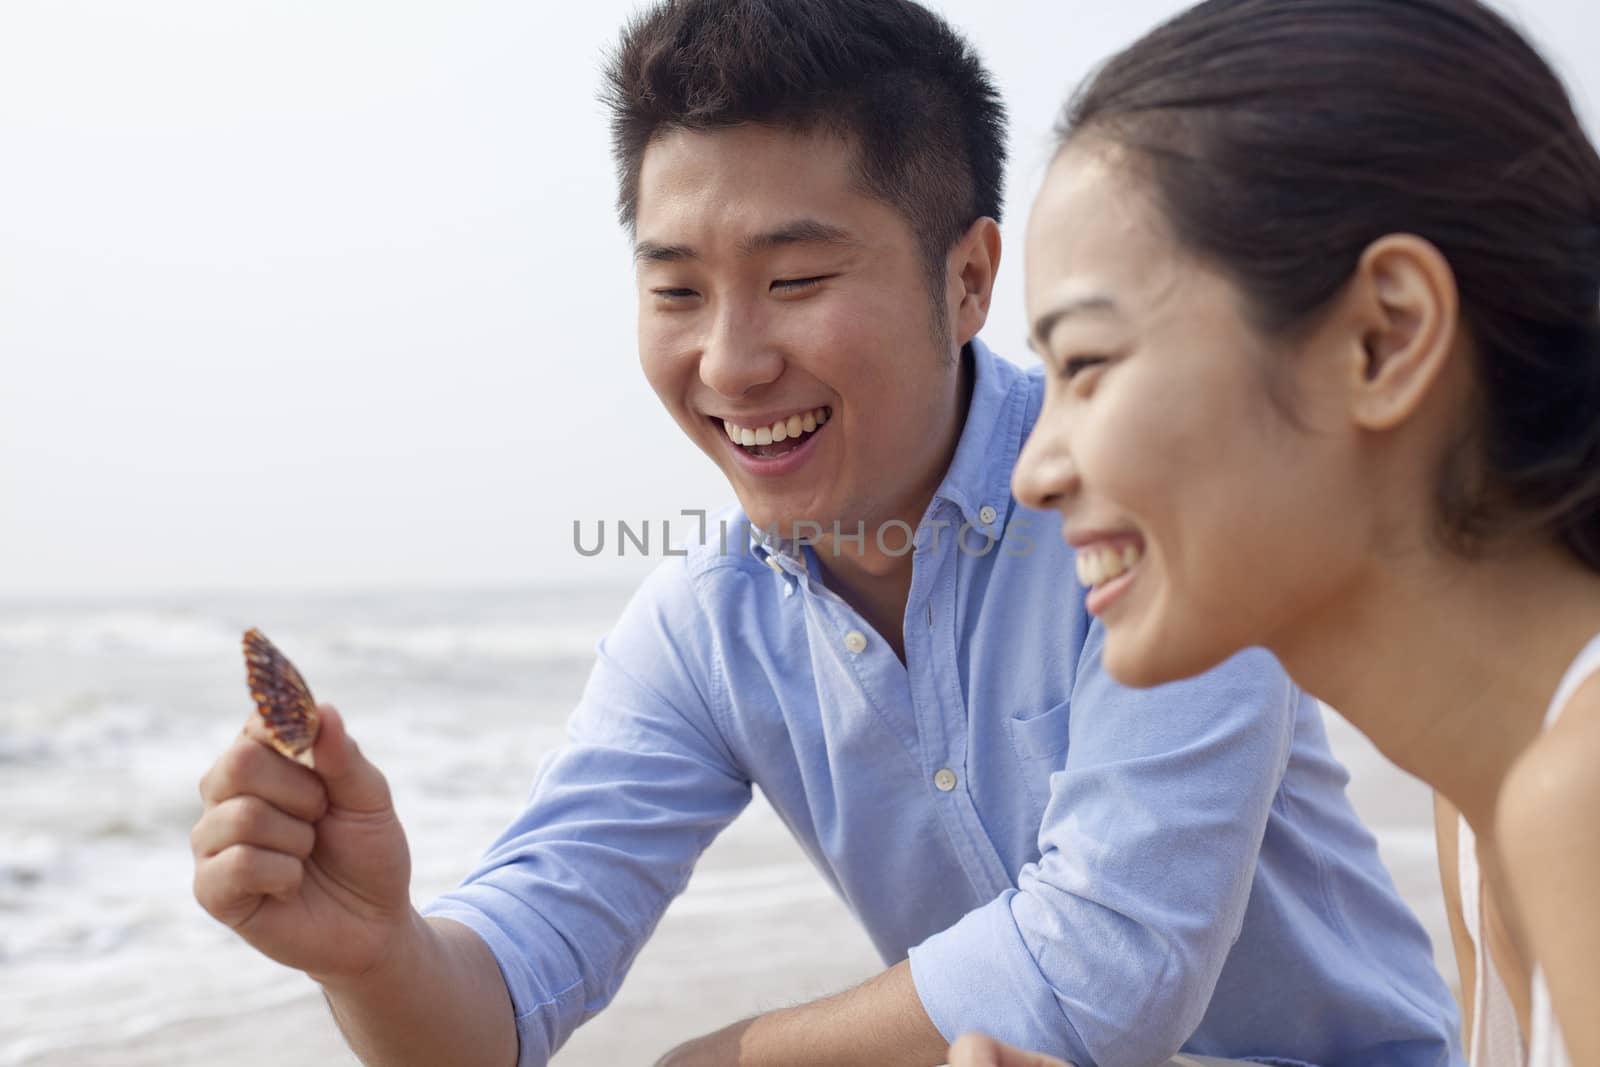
1317 287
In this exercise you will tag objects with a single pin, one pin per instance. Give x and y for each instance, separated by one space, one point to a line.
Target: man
892 650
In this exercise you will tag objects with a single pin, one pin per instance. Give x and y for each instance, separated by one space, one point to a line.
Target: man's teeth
1103 563
782 430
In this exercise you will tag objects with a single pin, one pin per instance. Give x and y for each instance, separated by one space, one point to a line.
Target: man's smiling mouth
779 437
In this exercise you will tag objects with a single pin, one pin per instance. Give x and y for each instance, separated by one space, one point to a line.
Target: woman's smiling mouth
1104 562
1106 567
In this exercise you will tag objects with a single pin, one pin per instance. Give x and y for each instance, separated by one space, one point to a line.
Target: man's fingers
250 820
231 884
343 776
252 768
975 1050
353 783
979 1050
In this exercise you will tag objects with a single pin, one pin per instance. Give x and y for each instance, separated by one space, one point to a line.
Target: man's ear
1404 299
970 269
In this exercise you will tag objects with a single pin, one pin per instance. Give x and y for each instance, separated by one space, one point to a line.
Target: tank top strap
1585 666
1496 1038
1546 1048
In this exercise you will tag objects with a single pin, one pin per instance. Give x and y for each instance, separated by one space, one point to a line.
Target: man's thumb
353 783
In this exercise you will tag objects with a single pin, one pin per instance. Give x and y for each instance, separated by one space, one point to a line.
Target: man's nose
739 354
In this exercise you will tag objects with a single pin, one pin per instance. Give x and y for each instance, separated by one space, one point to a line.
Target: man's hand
880 1023
308 866
976 1050
311 868
720 1049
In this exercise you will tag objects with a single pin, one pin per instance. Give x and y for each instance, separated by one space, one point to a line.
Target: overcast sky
332 294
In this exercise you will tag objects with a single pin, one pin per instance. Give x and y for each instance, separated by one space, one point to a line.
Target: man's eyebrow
1047 322
651 252
801 231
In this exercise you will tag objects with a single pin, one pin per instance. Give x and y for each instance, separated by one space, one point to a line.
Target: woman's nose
1045 477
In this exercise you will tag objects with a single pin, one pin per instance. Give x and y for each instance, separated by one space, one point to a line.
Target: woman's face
1205 521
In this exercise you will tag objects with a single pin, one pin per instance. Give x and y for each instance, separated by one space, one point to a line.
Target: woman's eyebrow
1046 323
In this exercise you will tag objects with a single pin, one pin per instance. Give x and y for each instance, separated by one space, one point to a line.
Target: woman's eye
1073 365
674 294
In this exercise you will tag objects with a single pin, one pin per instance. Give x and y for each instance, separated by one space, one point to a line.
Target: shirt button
855 641
944 779
986 514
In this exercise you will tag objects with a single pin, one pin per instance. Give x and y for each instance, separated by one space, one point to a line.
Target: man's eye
674 294
798 285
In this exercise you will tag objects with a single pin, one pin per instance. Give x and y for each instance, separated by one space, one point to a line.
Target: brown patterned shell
282 697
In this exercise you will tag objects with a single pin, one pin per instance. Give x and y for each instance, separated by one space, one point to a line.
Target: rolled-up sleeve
1107 951
615 821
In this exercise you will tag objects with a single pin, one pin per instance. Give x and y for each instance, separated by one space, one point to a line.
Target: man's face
780 304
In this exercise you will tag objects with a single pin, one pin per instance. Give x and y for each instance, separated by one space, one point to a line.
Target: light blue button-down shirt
1098 872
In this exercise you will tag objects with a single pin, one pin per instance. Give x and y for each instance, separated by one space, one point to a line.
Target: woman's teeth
1097 564
782 430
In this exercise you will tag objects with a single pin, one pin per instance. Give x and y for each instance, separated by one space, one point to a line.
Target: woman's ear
1404 295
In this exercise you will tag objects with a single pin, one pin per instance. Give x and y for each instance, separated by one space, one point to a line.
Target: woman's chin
1130 668
1140 663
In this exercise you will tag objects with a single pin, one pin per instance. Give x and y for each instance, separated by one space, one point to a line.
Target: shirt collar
783 554
980 474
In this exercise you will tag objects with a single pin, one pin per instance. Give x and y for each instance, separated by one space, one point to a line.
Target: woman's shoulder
1553 788
1545 826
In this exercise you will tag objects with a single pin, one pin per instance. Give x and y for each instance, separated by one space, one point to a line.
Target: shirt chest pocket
1039 740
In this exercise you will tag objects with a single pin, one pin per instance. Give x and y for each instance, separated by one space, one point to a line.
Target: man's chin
786 525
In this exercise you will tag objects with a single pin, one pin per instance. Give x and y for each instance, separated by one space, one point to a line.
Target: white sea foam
448 643
162 635
109 714
148 633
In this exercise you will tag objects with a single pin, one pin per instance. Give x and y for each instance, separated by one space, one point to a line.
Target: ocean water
110 711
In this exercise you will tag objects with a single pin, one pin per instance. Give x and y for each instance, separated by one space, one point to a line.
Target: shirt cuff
544 1018
979 975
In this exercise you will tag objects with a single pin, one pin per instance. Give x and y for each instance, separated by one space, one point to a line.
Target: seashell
282 697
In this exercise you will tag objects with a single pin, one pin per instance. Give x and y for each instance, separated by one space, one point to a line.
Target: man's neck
871 572
877 585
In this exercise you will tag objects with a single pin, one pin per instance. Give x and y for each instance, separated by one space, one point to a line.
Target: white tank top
1496 1040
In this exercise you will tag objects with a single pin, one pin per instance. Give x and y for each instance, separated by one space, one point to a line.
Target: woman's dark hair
1282 137
910 95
